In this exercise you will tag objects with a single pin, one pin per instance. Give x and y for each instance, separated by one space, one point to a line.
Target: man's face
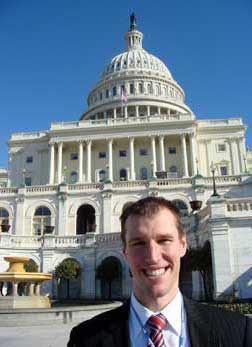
153 250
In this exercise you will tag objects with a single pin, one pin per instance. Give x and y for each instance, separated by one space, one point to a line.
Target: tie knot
157 322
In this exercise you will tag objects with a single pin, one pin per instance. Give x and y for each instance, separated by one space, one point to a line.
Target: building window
149 88
4 216
74 177
173 171
123 175
102 154
74 156
114 91
223 171
102 175
29 159
41 218
107 93
131 88
140 86
143 173
123 153
172 150
122 88
28 181
143 151
221 147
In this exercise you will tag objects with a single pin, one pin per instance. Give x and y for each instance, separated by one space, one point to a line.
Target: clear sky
52 52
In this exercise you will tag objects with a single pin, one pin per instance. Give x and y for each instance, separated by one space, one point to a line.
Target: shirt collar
172 312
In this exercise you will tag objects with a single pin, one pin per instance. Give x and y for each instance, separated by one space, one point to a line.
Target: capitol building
66 187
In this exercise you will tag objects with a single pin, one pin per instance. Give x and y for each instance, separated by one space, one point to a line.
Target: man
157 315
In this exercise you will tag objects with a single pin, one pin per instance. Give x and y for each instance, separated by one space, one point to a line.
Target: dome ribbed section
136 61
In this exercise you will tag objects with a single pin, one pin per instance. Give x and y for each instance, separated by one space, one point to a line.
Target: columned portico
110 160
161 151
193 153
184 153
52 166
89 144
80 162
132 159
154 158
60 148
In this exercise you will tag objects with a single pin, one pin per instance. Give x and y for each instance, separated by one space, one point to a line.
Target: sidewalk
41 336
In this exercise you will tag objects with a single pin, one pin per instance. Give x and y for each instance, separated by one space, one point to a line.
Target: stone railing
108 238
16 241
41 189
156 118
239 206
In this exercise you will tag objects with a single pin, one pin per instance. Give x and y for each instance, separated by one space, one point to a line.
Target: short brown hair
147 207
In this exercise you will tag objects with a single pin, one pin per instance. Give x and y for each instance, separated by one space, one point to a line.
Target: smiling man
157 315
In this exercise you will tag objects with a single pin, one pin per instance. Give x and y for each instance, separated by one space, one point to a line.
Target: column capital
88 142
52 143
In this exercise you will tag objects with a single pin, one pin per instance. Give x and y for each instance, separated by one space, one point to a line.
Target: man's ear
183 245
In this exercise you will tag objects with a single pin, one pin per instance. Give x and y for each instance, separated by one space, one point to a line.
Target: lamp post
212 168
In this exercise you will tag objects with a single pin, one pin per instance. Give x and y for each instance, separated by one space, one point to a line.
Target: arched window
102 175
41 219
74 177
85 219
143 173
181 205
173 171
4 216
123 175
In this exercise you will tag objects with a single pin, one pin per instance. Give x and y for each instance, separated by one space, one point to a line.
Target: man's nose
152 253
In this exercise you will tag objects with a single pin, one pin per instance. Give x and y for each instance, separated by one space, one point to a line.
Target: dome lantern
133 37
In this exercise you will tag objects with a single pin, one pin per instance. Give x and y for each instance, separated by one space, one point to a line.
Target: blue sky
53 52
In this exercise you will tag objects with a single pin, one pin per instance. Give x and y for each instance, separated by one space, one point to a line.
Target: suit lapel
119 330
199 326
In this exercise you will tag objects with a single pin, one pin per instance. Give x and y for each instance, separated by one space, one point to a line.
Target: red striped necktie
156 325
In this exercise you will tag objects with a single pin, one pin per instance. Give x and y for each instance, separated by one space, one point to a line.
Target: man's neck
157 304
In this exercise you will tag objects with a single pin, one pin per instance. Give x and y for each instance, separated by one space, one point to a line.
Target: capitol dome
139 78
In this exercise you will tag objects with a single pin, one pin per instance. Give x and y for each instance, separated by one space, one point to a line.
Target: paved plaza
35 336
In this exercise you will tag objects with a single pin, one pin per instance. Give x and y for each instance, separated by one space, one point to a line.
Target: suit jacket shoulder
107 329
211 326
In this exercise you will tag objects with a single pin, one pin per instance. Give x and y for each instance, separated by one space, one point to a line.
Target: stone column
14 289
161 151
89 143
37 289
80 178
110 159
193 154
184 153
148 111
241 154
232 148
154 158
60 147
158 111
31 289
208 156
52 164
132 159
125 111
137 111
114 113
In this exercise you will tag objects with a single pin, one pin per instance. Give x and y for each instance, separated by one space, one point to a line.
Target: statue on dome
133 23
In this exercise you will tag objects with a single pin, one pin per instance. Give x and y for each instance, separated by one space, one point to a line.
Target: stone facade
136 138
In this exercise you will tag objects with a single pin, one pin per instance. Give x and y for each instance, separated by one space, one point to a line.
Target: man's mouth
157 272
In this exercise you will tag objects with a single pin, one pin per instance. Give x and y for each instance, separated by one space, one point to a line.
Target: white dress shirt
176 327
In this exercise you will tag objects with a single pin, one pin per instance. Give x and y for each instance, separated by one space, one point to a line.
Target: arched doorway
68 275
85 219
109 274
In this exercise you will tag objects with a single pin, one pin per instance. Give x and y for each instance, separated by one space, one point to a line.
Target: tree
31 266
68 270
200 259
108 271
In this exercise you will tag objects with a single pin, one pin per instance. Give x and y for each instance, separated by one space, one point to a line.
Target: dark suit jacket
208 327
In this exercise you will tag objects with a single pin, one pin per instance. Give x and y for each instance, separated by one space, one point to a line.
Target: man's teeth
155 272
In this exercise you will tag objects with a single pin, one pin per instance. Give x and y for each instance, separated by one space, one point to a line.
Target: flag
124 96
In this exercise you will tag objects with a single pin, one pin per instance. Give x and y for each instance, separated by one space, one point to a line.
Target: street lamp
213 168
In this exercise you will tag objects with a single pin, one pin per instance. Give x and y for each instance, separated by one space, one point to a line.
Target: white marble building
136 138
